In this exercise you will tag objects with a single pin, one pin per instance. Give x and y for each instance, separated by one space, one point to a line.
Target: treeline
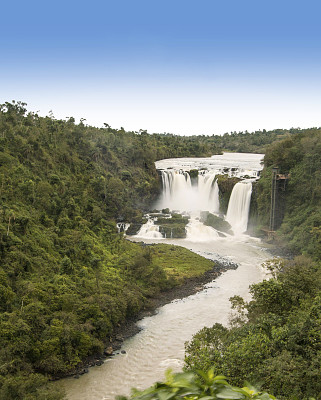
252 142
67 277
237 142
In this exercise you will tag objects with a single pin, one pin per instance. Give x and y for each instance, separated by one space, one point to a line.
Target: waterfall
198 232
122 227
179 193
190 196
149 231
239 207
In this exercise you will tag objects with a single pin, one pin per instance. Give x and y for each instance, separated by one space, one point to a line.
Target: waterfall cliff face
239 207
180 195
149 231
191 196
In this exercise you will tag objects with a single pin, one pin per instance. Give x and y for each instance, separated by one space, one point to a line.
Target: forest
68 278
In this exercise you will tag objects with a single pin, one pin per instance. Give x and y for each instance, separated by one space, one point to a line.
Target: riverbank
129 328
160 343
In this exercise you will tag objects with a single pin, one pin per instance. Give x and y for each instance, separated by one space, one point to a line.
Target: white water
122 227
198 232
149 231
179 194
234 164
160 344
182 194
239 206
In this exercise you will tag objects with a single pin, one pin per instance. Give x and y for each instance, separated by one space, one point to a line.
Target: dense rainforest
298 156
68 278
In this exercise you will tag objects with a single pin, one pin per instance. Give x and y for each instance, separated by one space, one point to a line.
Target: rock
99 363
83 371
123 352
109 351
76 376
119 337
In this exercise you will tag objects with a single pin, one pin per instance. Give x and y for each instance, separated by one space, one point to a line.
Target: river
160 343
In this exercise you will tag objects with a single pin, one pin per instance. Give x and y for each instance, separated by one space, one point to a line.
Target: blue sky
186 67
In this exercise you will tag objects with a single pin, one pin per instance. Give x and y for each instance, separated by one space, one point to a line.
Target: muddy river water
160 343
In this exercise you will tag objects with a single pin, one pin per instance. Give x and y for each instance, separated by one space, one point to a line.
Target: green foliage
31 387
300 156
193 173
179 263
67 278
173 227
200 385
252 142
278 344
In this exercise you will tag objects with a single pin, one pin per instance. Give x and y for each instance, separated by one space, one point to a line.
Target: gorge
69 277
160 343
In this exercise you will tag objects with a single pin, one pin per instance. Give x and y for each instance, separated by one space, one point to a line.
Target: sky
183 67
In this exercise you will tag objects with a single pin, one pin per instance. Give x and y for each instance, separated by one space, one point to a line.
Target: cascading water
191 196
122 227
149 231
196 231
179 193
208 193
239 207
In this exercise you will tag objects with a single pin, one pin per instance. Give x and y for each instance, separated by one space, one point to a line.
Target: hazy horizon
181 67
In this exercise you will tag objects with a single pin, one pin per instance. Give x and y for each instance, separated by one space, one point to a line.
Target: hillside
299 156
67 277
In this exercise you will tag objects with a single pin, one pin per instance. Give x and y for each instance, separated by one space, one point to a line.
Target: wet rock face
133 229
215 222
225 184
177 232
173 227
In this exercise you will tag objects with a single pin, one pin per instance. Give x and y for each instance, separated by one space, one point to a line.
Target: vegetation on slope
276 338
67 278
252 142
300 157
